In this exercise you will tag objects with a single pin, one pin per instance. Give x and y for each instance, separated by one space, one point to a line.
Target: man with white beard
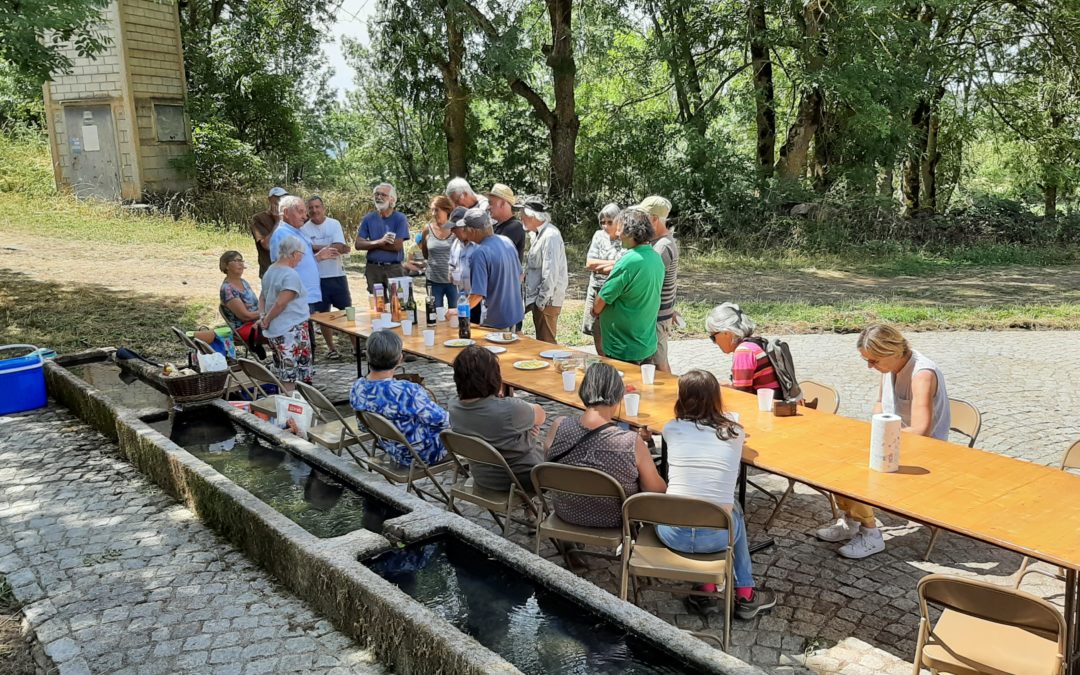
383 234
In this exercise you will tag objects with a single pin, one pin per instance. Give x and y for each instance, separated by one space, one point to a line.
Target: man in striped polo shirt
658 208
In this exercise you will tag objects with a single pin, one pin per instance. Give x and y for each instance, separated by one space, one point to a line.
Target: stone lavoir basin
429 591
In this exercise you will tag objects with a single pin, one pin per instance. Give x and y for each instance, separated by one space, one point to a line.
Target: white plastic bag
294 407
210 363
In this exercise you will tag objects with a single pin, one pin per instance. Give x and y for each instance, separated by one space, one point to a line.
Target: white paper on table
90 138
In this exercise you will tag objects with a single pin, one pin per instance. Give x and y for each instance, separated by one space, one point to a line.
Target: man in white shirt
461 194
546 275
327 233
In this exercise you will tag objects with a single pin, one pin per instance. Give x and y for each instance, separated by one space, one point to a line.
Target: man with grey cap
263 225
495 272
460 253
546 276
658 208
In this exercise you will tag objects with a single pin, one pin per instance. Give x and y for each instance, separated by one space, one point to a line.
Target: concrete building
117 121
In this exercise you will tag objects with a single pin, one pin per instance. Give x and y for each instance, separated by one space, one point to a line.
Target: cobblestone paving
857 617
116 577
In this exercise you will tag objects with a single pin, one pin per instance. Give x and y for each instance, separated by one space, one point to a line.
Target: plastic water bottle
464 329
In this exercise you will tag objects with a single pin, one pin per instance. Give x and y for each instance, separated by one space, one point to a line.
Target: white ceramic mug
429 338
648 373
633 403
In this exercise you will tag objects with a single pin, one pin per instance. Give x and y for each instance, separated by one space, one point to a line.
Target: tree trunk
793 153
885 182
693 78
928 183
457 99
763 91
1051 178
564 130
912 179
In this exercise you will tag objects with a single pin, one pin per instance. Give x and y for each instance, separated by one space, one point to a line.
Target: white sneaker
842 530
866 543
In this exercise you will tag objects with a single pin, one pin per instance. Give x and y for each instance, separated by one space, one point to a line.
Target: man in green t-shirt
629 300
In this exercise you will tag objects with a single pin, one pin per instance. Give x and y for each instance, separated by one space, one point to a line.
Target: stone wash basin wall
327 572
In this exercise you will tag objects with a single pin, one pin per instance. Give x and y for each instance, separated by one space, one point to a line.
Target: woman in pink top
732 331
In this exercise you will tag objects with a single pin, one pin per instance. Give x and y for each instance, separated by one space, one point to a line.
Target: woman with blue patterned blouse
406 404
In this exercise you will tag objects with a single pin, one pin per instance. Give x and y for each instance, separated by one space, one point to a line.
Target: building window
169 120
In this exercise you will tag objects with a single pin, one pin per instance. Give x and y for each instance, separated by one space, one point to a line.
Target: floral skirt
292 354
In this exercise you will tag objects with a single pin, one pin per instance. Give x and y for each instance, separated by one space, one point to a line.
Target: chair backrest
474 449
1071 460
383 429
966 419
576 480
184 339
662 509
990 602
202 346
259 375
827 398
324 409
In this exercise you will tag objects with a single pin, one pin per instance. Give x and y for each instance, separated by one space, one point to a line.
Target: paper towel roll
885 443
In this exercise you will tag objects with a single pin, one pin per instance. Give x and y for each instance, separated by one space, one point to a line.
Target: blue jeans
449 292
704 540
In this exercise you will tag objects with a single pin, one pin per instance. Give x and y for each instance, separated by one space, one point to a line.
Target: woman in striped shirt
732 331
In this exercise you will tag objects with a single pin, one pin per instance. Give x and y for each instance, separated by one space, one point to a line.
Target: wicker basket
196 388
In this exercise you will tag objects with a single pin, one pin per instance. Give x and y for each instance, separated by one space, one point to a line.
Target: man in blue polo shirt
293 216
495 273
383 234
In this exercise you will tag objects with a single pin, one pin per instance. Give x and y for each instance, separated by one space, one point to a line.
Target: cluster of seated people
704 442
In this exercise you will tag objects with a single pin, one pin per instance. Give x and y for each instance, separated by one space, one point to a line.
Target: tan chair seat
388 466
328 434
487 498
555 527
970 643
649 557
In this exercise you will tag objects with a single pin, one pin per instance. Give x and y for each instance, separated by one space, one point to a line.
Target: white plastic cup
376 324
765 400
350 314
386 317
406 327
633 403
569 380
648 373
440 313
429 338
734 416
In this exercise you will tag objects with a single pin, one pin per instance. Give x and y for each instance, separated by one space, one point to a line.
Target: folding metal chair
384 432
582 482
473 451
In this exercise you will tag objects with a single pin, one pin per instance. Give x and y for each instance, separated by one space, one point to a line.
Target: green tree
36 38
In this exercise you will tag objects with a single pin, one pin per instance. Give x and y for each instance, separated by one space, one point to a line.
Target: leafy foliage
36 37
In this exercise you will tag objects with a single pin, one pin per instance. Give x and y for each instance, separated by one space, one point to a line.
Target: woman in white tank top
704 455
911 387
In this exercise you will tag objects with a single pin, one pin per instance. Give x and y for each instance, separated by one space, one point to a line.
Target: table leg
1072 623
742 486
359 361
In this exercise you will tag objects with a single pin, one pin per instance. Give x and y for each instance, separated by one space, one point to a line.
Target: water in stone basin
121 387
530 626
308 497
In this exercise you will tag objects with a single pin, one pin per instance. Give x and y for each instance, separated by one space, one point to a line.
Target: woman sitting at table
239 304
509 424
911 387
404 403
704 456
284 307
592 440
732 331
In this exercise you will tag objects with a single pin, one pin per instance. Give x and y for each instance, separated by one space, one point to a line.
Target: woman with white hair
733 332
605 249
546 276
284 308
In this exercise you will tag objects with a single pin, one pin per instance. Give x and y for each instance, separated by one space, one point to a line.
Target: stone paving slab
835 615
116 577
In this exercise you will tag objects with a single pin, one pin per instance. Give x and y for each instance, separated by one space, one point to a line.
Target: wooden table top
1017 505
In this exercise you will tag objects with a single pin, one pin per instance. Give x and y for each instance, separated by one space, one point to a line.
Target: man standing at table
658 208
630 298
495 273
501 202
327 233
546 276
262 227
383 234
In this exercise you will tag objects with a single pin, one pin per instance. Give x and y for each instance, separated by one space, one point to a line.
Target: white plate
531 364
497 337
495 350
556 354
459 342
